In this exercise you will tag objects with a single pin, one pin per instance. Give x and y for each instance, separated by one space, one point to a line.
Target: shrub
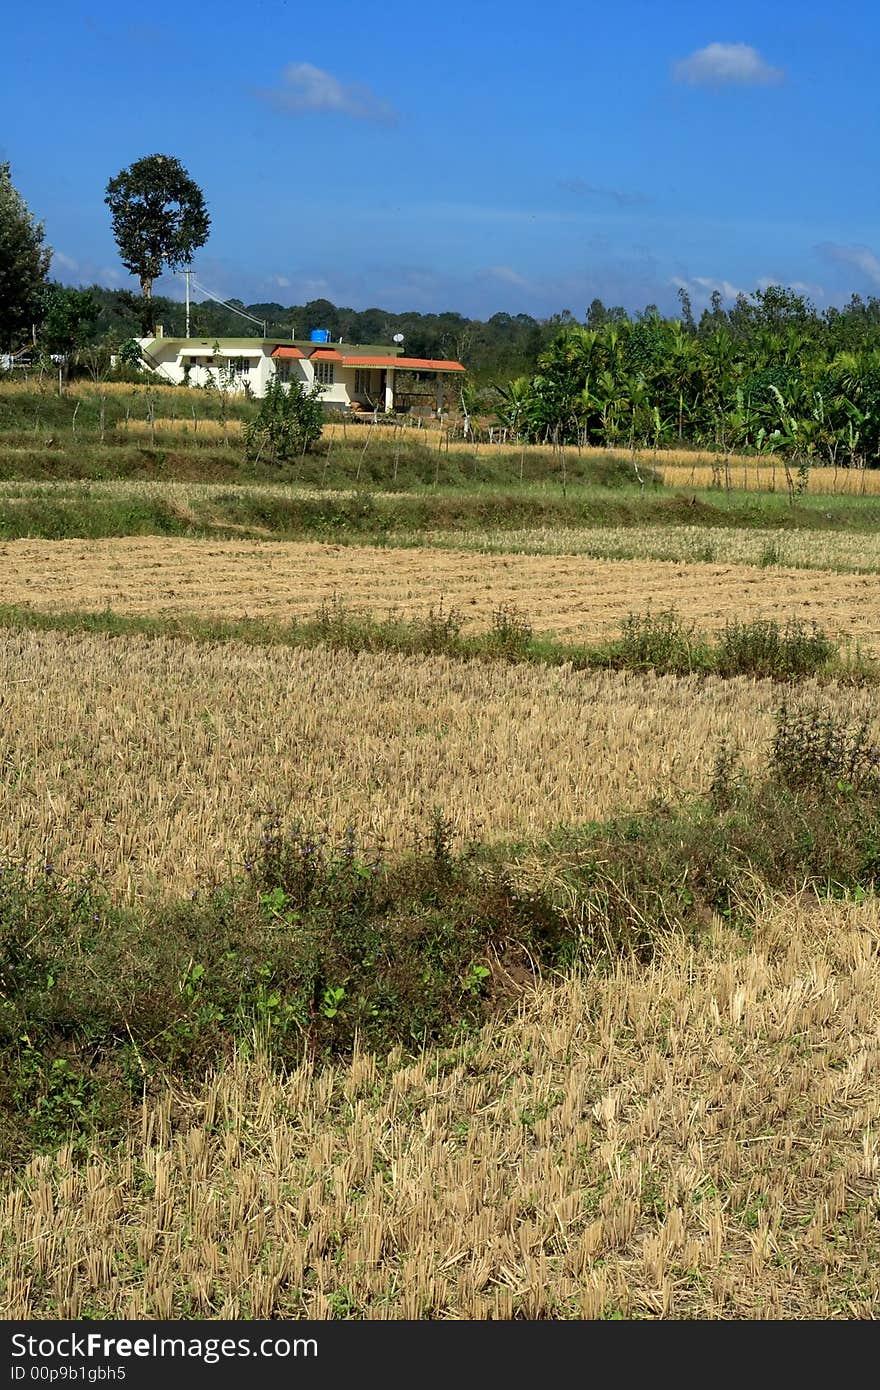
288 422
813 749
763 648
658 641
439 630
511 632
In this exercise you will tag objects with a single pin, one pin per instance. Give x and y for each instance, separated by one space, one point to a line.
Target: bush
813 749
511 632
289 421
659 641
763 648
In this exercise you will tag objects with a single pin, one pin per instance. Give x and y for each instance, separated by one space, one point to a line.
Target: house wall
170 362
336 396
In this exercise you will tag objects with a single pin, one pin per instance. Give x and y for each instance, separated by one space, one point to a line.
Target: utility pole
187 273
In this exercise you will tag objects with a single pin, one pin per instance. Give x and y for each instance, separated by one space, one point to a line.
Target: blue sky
478 157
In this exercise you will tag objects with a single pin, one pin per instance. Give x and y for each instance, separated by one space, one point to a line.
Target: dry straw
696 1138
573 596
195 425
771 547
750 476
151 760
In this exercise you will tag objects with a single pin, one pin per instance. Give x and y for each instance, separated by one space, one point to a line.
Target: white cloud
800 287
305 88
720 64
508 276
861 258
70 271
702 287
316 286
805 287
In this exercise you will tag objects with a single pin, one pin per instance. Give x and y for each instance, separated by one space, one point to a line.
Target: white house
352 376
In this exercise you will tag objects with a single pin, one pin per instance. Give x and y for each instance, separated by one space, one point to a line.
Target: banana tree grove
769 376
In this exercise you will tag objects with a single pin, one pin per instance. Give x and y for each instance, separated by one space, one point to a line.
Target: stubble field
692 1139
154 760
568 595
690 1135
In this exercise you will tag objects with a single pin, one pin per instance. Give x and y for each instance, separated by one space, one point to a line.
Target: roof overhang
326 355
205 351
406 364
287 352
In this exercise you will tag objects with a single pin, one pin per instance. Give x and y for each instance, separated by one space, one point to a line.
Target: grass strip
357 511
662 642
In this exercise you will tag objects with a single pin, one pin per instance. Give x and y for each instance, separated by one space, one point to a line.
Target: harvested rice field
831 550
575 597
694 1138
152 760
687 1134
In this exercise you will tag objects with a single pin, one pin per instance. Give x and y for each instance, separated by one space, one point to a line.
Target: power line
226 305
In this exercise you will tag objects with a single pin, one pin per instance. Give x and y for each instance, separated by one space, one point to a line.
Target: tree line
159 220
770 374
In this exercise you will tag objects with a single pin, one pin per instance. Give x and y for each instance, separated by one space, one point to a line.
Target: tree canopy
68 318
24 264
159 220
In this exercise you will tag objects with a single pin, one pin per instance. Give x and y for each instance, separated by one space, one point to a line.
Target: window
283 371
363 381
323 373
241 365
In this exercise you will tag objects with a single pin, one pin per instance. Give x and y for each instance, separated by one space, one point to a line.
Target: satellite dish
398 338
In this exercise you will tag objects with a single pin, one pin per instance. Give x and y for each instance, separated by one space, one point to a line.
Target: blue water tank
319 335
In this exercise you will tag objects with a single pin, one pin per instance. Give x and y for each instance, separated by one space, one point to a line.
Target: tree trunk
147 325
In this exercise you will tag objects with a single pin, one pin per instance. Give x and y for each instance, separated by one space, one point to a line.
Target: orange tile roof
287 352
326 355
410 364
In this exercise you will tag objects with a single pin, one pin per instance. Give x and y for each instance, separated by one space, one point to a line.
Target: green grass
660 642
52 437
360 515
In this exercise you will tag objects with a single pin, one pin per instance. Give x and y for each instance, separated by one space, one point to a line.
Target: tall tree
687 313
24 264
159 220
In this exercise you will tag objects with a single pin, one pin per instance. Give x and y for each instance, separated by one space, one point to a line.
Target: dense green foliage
68 318
768 376
501 347
24 264
288 422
